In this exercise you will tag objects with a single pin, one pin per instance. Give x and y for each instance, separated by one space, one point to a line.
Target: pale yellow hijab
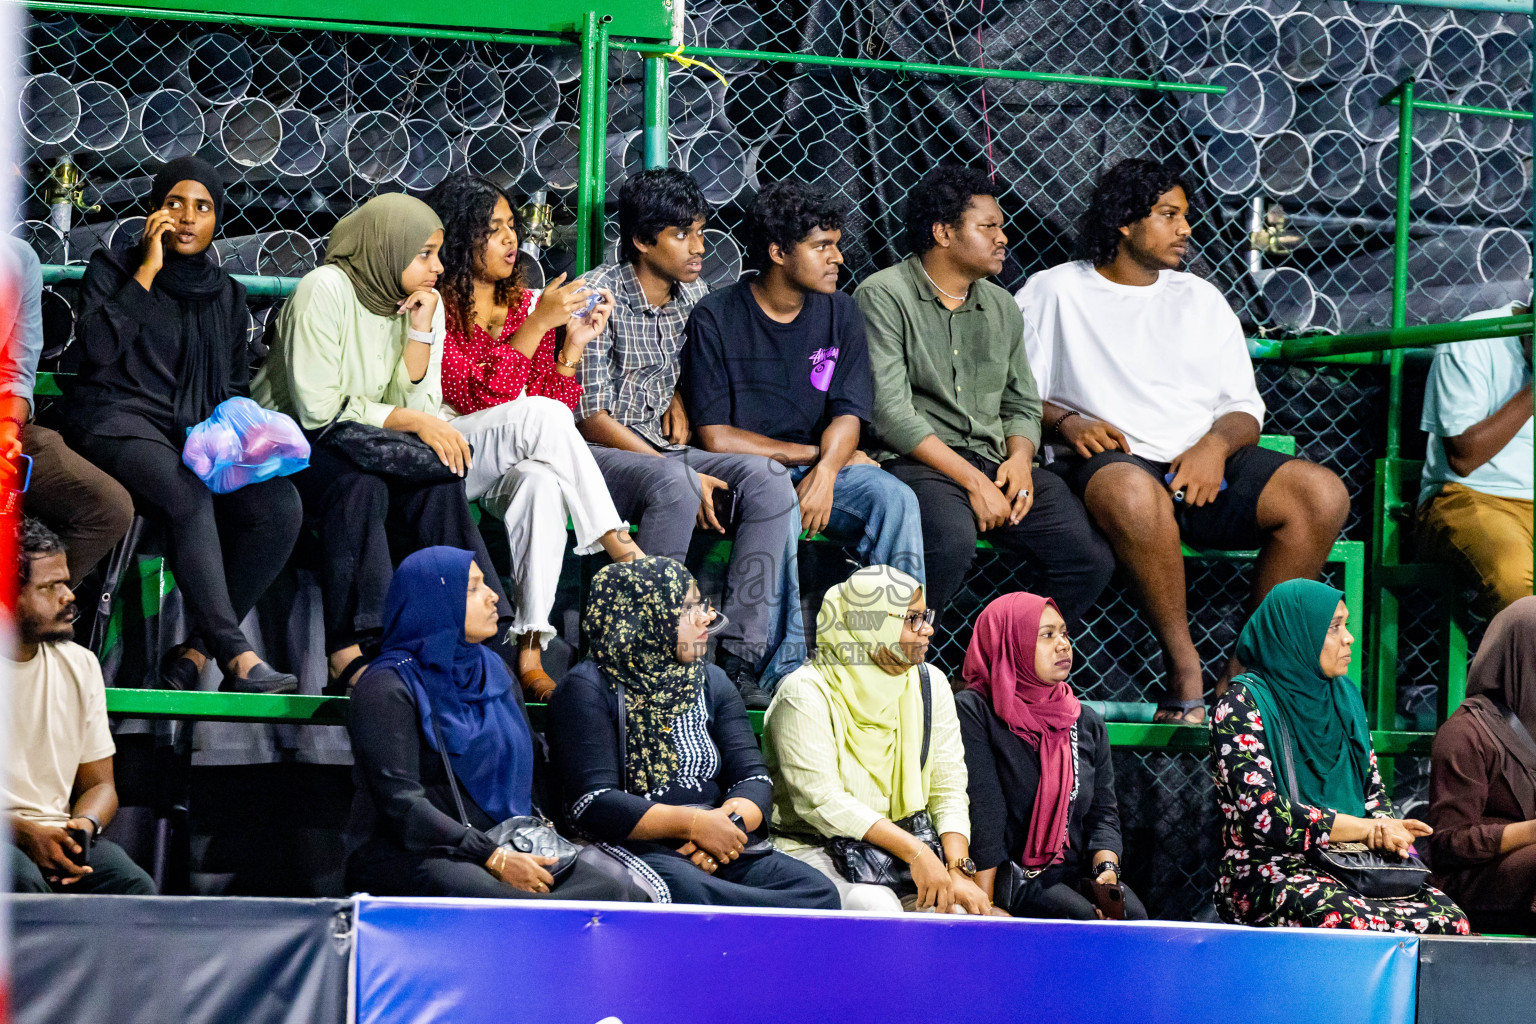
877 718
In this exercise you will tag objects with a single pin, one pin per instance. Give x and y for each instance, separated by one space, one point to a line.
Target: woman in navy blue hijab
435 687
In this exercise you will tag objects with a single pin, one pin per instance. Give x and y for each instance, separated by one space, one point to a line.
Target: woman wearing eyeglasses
1045 825
865 753
656 753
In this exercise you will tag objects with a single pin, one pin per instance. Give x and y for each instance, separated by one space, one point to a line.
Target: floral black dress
1265 878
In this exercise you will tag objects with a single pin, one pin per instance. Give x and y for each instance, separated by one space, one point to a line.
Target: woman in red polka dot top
509 363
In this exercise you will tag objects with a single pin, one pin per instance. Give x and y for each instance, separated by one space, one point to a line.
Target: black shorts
1230 523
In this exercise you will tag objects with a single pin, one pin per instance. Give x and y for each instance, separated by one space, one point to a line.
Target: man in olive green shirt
956 406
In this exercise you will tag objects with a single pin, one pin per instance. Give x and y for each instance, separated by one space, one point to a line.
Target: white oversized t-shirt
58 723
1161 362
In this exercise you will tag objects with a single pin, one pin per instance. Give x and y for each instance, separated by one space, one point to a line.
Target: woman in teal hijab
1297 650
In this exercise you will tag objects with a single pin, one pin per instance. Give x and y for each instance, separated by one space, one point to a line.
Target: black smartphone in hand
82 839
725 506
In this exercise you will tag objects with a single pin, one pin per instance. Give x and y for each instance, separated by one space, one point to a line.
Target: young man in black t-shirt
776 365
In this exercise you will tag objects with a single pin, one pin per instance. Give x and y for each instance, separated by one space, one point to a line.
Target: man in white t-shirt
1475 503
59 789
1150 396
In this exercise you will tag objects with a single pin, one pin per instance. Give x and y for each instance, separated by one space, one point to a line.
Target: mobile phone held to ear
725 507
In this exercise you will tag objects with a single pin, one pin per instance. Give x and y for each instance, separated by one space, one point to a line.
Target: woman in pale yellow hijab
864 747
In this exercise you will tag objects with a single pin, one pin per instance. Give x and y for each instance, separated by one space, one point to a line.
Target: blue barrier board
423 961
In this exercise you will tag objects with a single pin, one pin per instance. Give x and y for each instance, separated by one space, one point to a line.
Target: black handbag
383 452
867 864
532 834
1366 871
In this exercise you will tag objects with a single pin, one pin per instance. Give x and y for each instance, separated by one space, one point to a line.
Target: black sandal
341 685
1181 710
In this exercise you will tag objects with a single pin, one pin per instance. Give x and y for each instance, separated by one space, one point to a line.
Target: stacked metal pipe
1302 125
302 125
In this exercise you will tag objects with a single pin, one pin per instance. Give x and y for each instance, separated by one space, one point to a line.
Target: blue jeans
876 514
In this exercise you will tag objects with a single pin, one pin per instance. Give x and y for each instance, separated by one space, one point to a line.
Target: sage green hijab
376 242
1280 648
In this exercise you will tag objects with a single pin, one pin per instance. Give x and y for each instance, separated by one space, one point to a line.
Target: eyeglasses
916 620
703 612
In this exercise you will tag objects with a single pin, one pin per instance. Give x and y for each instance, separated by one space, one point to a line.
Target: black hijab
205 293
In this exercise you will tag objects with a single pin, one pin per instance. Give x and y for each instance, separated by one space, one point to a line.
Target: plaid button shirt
631 368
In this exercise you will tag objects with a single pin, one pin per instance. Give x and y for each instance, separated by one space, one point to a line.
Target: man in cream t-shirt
1150 399
60 747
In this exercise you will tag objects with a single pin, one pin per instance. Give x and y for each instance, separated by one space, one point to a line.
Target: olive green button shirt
960 375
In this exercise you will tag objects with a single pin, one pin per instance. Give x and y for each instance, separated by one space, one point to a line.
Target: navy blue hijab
466 687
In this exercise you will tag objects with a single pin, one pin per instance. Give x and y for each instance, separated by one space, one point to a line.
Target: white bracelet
425 337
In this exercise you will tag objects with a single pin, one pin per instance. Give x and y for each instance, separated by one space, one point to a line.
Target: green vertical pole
590 141
1400 263
655 112
600 139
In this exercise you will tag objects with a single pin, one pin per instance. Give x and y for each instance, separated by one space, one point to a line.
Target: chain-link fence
1298 153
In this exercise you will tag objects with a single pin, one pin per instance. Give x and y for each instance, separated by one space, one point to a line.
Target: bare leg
1136 515
1303 508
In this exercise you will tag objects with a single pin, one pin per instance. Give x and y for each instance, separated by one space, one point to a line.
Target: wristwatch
1109 865
965 866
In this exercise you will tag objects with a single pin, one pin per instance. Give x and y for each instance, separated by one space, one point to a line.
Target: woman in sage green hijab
1297 650
359 344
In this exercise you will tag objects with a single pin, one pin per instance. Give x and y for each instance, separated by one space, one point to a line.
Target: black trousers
1063 902
226 549
112 872
1056 535
444 876
353 511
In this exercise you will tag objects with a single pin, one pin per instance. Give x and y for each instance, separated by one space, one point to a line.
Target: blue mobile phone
1179 495
24 470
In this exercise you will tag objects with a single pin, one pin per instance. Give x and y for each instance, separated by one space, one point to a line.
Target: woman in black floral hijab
656 753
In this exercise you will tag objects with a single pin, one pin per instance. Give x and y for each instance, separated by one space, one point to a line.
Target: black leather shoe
740 672
261 679
177 671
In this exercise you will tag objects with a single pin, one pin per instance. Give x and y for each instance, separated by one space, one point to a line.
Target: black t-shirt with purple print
785 381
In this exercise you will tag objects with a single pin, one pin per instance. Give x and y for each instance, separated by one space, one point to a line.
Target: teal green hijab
1280 648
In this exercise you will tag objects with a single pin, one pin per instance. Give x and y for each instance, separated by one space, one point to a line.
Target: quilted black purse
866 863
522 833
1370 873
383 452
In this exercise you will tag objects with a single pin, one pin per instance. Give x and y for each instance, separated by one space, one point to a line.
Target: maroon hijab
1000 665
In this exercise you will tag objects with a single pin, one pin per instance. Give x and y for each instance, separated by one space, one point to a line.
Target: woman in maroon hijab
1045 829
1482 782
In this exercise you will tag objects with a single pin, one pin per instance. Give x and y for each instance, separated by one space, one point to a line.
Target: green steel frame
639 21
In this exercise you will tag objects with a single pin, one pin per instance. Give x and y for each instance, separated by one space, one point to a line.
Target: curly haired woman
509 363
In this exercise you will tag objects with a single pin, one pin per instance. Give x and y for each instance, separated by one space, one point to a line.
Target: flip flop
1178 712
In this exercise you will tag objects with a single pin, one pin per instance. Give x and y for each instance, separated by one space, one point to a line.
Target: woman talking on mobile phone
163 330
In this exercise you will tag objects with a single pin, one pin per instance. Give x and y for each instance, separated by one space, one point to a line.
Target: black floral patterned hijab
631 626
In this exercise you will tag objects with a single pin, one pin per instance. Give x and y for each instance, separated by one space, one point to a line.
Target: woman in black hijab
164 337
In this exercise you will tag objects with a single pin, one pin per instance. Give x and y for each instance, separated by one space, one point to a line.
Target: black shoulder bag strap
453 780
1513 721
927 689
1284 754
623 723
